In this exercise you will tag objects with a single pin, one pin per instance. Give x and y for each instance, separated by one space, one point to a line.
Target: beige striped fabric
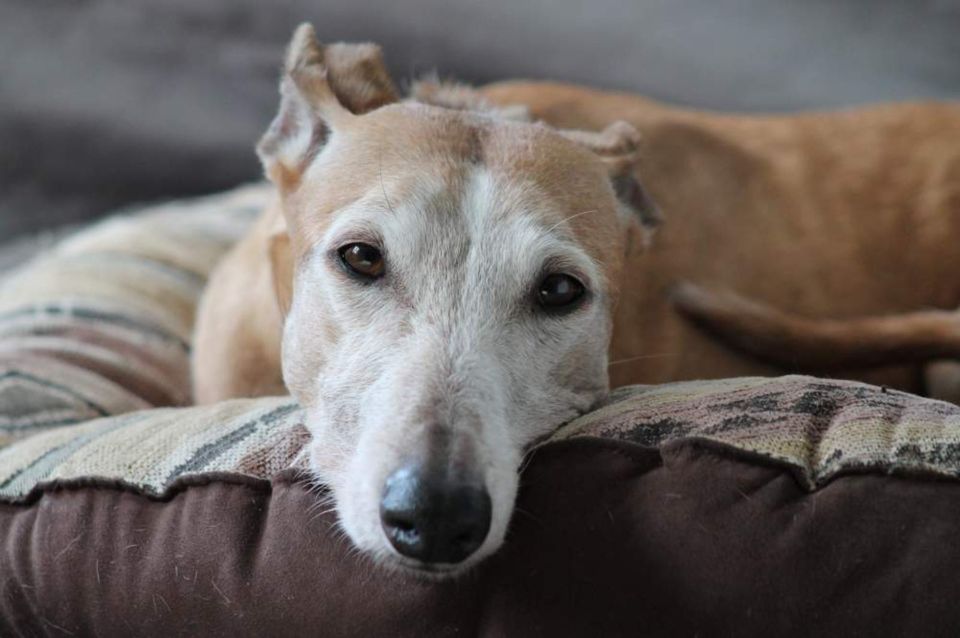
815 427
151 449
818 427
95 338
101 324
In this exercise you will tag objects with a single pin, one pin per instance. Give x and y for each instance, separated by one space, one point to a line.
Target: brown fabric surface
610 539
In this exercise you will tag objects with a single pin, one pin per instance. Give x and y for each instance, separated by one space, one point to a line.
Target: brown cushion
610 539
680 509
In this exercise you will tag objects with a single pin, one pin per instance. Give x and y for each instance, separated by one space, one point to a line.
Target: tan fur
831 215
237 340
240 320
929 337
836 215
455 360
823 344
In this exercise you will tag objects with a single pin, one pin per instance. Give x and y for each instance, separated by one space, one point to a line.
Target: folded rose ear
281 264
618 146
463 97
322 88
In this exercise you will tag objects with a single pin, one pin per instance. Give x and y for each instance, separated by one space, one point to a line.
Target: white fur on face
448 346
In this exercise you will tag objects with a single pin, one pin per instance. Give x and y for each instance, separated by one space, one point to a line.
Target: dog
384 287
436 287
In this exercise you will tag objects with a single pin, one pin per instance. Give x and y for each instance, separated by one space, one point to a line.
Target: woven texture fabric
150 450
101 324
95 338
817 428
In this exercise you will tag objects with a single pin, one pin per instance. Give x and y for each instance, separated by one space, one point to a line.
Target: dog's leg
821 344
238 327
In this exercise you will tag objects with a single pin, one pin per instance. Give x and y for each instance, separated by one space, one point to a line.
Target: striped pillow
101 324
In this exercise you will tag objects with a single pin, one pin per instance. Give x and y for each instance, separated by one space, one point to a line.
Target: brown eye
559 292
362 260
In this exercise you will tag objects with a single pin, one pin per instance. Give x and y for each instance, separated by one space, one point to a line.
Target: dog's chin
375 548
379 552
434 572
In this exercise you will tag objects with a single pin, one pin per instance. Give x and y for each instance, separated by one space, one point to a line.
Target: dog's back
834 214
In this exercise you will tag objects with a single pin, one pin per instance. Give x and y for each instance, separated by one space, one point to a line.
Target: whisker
382 188
526 460
322 513
643 356
528 515
320 504
566 219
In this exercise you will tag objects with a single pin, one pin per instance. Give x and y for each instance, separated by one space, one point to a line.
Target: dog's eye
363 260
559 292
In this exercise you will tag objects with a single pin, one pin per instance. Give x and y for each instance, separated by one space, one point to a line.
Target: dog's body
239 323
832 215
445 362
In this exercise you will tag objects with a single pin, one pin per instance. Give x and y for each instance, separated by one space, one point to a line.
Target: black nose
432 518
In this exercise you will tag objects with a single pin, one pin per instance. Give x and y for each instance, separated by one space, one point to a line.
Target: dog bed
752 506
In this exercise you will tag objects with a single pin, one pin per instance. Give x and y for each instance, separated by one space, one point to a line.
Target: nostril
399 509
402 525
428 517
397 522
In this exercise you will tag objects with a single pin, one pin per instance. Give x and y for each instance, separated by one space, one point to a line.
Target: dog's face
453 285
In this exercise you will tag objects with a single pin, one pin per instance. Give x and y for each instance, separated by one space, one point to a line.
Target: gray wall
106 102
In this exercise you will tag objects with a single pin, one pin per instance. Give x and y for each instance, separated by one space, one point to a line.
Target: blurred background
104 103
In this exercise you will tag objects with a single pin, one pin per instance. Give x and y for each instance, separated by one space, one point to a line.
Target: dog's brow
566 219
475 153
382 187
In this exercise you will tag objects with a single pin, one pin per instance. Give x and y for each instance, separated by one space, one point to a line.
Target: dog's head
453 279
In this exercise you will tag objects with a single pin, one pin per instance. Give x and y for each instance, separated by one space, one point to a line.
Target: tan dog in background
845 215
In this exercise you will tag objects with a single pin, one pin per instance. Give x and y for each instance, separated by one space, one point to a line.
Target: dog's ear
281 264
618 146
321 89
463 97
